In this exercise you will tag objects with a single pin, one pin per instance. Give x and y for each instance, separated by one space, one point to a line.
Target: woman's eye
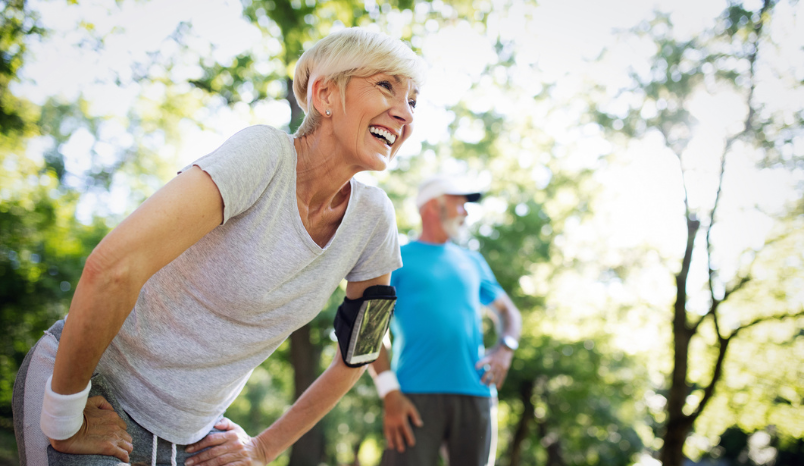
412 104
385 84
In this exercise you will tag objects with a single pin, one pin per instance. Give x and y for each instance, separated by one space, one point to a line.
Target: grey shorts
34 448
462 427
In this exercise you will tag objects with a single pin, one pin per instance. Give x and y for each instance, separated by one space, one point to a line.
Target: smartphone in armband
361 324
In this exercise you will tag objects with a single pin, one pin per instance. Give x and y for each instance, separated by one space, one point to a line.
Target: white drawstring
172 453
153 453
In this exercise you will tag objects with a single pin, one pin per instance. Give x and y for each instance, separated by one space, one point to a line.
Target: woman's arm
165 225
231 448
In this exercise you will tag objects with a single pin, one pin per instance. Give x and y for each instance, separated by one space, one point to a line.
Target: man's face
452 212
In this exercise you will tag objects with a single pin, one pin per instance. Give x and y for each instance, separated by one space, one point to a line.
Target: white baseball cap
445 184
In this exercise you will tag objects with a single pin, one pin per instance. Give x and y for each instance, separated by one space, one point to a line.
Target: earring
329 112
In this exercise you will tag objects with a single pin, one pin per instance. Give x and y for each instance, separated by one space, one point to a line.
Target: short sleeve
489 288
381 254
244 165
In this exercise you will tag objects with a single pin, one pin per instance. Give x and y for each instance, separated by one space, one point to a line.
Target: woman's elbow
102 269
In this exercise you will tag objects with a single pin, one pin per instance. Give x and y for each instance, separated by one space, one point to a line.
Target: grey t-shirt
207 319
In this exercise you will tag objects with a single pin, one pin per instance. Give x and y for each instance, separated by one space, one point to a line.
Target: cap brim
470 197
473 197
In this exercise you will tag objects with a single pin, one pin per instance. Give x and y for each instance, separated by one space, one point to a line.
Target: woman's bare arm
315 402
164 226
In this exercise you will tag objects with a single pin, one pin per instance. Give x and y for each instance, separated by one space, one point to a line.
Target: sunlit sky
640 200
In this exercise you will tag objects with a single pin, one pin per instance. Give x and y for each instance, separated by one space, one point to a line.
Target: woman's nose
402 111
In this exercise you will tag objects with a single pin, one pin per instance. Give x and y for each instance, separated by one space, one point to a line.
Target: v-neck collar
305 235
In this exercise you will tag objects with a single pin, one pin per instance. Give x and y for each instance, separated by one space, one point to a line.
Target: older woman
198 286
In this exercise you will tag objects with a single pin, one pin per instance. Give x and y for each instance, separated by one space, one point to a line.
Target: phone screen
370 328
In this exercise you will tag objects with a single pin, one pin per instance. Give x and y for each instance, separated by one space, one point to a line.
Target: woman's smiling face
378 118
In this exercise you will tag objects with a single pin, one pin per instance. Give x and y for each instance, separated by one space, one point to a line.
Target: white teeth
391 138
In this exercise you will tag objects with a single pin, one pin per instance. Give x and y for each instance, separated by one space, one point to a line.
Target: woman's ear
325 95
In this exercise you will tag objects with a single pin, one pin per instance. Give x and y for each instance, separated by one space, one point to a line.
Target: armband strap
361 324
62 415
386 383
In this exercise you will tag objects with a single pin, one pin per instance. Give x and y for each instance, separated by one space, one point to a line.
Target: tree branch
680 307
665 134
747 128
718 371
737 286
711 274
721 356
759 320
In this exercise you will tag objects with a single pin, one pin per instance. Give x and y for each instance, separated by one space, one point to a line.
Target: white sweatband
62 415
386 383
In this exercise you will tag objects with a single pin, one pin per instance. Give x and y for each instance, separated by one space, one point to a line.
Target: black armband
361 324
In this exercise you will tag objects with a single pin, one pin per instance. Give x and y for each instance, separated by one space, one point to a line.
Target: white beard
453 227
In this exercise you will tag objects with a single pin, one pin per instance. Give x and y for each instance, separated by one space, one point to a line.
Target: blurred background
644 169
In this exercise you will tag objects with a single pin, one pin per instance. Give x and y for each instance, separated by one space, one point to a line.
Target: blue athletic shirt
436 325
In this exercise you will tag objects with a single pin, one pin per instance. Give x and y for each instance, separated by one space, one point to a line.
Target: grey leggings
34 448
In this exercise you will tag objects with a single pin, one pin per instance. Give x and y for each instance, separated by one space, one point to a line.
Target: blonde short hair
346 53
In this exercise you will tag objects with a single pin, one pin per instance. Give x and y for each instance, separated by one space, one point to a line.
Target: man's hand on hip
399 411
498 360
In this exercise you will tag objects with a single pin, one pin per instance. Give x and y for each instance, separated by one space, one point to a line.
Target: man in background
439 390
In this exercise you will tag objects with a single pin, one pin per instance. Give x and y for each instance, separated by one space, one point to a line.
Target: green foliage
42 253
740 449
583 398
16 24
42 247
514 246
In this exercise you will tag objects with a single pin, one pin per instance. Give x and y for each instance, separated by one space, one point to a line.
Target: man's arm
509 315
499 358
399 410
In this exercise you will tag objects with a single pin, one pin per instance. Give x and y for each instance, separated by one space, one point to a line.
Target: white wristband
62 415
386 383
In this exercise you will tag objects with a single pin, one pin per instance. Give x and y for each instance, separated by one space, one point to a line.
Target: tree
725 60
16 24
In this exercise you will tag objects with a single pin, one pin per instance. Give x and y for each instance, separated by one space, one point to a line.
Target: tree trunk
551 443
305 357
355 451
672 453
679 424
296 113
522 427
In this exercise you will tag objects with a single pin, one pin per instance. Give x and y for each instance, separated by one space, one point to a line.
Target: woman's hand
399 411
103 433
233 446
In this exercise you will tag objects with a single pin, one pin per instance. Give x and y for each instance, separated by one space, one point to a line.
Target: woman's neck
322 174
